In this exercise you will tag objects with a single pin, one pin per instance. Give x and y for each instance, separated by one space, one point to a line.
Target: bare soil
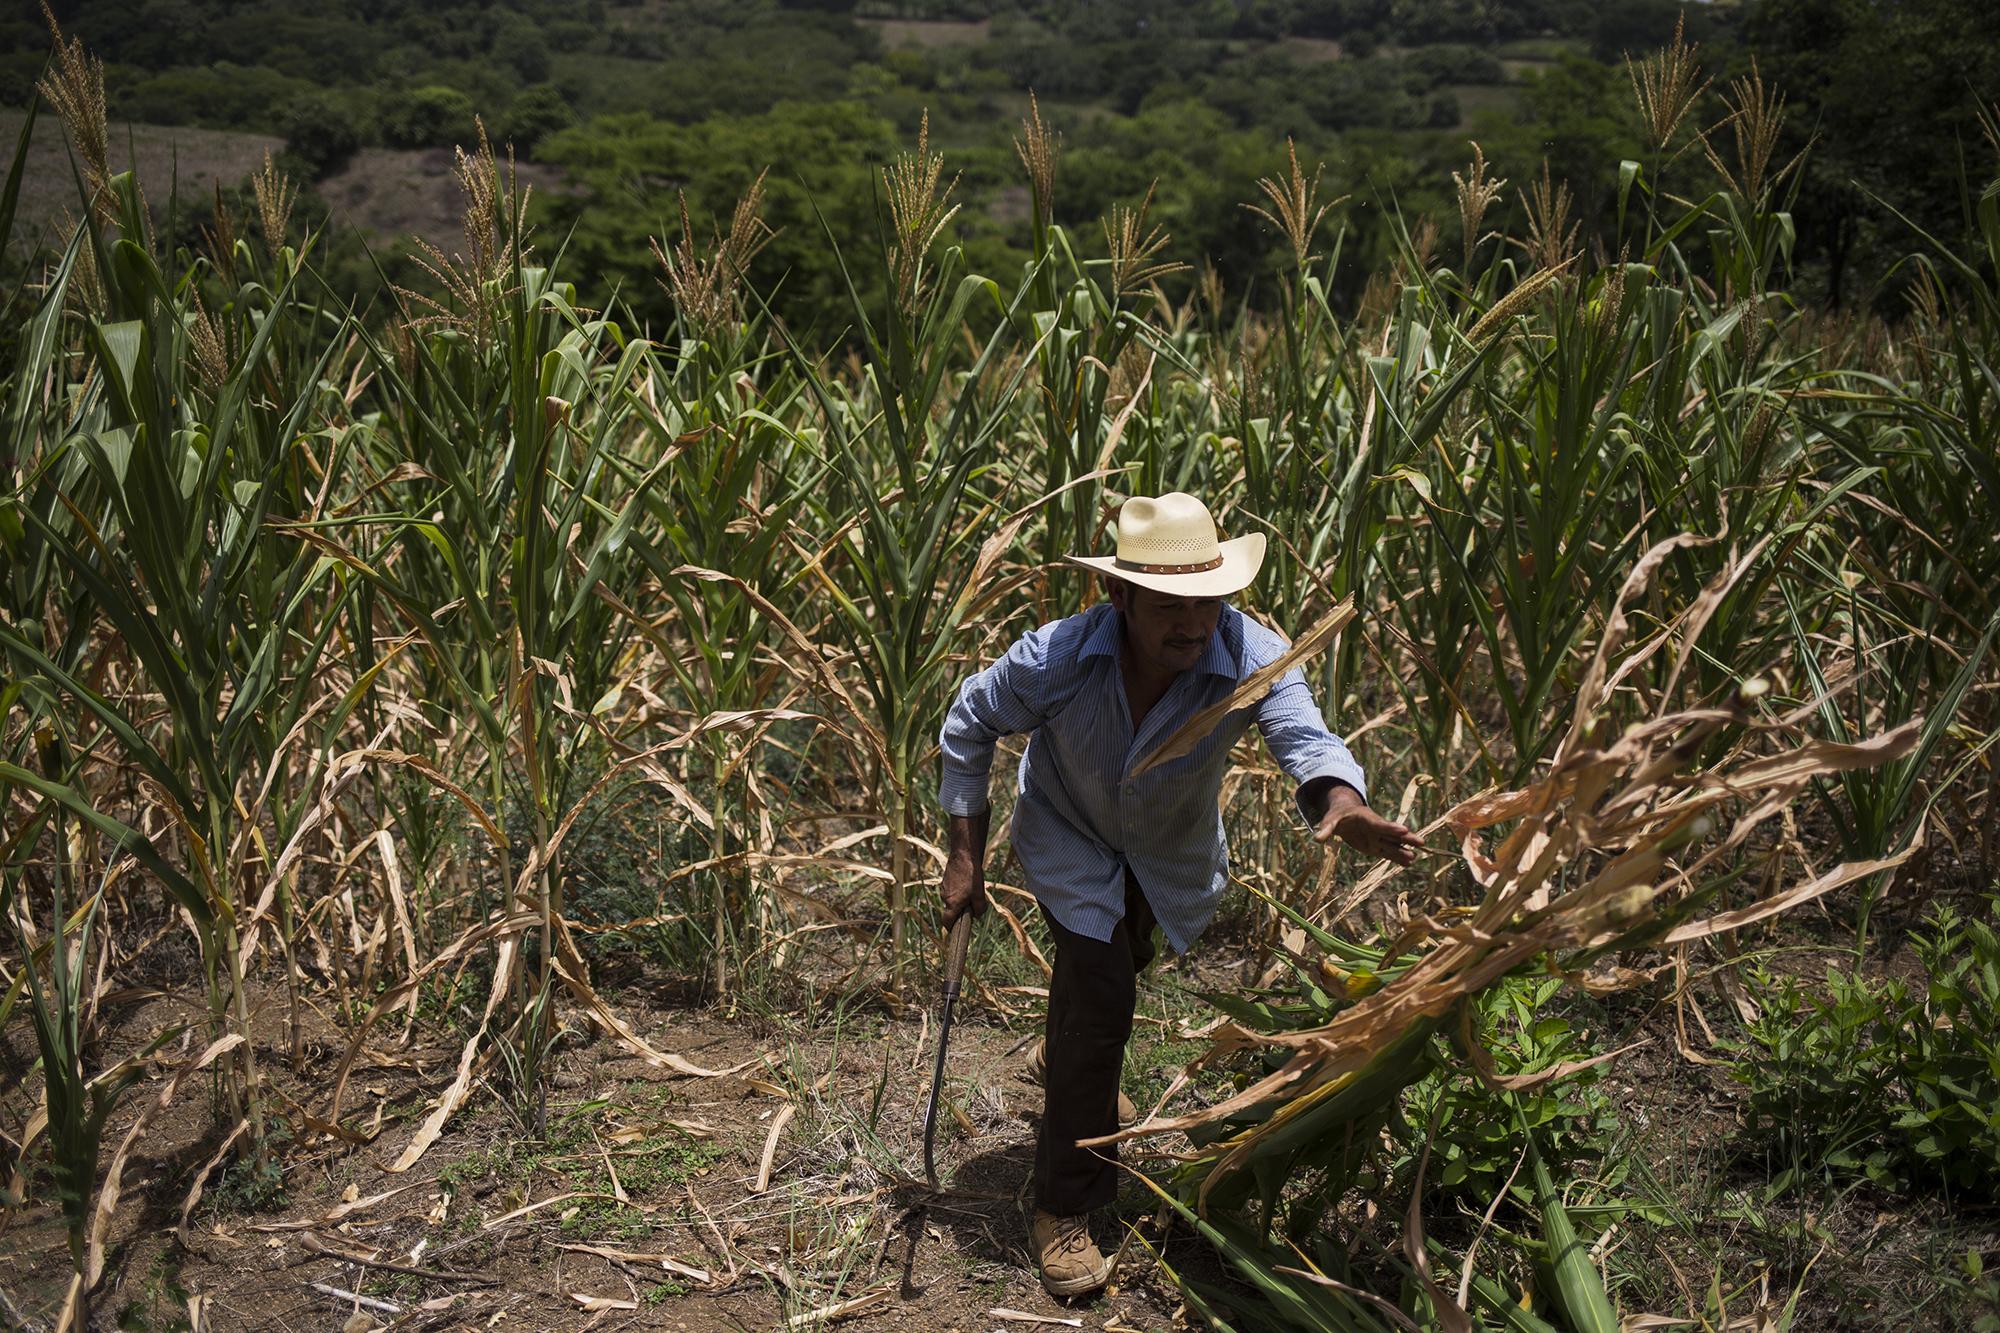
1310 50
514 1223
395 192
843 1218
189 161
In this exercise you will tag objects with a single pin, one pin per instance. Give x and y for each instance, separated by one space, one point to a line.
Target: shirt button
1131 789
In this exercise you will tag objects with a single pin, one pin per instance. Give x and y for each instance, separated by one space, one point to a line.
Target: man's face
1167 634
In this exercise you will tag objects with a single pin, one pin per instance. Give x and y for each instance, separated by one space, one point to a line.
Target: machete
954 968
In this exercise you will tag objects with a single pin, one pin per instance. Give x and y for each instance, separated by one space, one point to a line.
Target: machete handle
954 952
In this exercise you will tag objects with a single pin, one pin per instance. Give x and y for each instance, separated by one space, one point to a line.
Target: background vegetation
634 105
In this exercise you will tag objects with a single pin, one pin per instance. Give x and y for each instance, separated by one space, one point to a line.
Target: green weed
254 1184
1474 1132
575 1156
1894 1081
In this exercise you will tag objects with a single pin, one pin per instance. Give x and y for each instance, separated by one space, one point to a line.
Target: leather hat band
1138 568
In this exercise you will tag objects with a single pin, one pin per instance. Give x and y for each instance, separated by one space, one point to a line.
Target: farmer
1108 856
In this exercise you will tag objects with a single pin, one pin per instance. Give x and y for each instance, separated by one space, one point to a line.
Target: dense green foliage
640 104
1896 1080
1888 95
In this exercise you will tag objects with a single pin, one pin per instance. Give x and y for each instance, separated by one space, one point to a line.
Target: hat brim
1242 557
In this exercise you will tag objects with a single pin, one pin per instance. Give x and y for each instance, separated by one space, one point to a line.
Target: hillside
386 194
635 107
198 159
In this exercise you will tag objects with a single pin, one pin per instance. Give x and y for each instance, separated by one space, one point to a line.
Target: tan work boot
1038 1070
1071 1262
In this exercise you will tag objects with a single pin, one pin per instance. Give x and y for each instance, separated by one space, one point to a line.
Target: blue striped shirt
1080 820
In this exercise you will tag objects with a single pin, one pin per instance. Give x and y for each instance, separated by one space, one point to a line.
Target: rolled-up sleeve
1300 741
1006 699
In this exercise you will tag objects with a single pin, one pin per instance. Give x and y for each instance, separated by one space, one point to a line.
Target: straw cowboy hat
1168 543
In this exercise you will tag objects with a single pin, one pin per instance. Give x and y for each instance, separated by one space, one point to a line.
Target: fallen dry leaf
1023 1317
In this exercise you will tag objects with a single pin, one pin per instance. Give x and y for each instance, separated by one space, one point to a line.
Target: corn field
332 637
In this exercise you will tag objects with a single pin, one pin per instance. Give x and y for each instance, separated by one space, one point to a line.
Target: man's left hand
1348 818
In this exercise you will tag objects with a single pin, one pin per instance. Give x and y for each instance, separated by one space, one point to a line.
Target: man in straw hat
1108 854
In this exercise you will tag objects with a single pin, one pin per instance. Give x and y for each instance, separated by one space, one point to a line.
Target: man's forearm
963 885
967 837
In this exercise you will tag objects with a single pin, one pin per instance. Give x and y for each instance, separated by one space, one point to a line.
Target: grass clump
579 1156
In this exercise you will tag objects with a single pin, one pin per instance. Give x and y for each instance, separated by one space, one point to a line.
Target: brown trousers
1091 999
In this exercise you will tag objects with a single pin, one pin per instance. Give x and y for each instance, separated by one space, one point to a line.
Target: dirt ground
635 1202
394 192
508 1231
167 158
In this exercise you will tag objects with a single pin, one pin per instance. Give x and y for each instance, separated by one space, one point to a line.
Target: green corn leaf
1579 1288
127 839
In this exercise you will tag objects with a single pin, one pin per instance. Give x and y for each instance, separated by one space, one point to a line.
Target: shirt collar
1220 658
1102 641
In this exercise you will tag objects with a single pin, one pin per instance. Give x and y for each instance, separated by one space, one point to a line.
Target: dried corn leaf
975 596
839 1309
666 1261
1845 873
1023 1317
469 1062
1621 813
110 1192
1255 686
1483 1067
633 1041
807 650
778 1123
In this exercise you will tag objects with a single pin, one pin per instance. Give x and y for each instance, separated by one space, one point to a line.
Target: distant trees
1445 20
521 48
1457 63
223 96
630 170
166 31
426 117
321 132
1200 95
1887 91
536 113
1577 117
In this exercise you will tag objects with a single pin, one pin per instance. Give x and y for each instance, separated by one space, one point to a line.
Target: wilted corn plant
1084 329
900 520
724 514
156 494
1625 842
56 968
161 641
1302 443
521 513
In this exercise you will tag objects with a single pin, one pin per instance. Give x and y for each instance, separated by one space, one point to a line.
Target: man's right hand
963 888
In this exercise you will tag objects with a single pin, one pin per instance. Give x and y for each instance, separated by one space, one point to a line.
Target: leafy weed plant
1890 1080
1474 1130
